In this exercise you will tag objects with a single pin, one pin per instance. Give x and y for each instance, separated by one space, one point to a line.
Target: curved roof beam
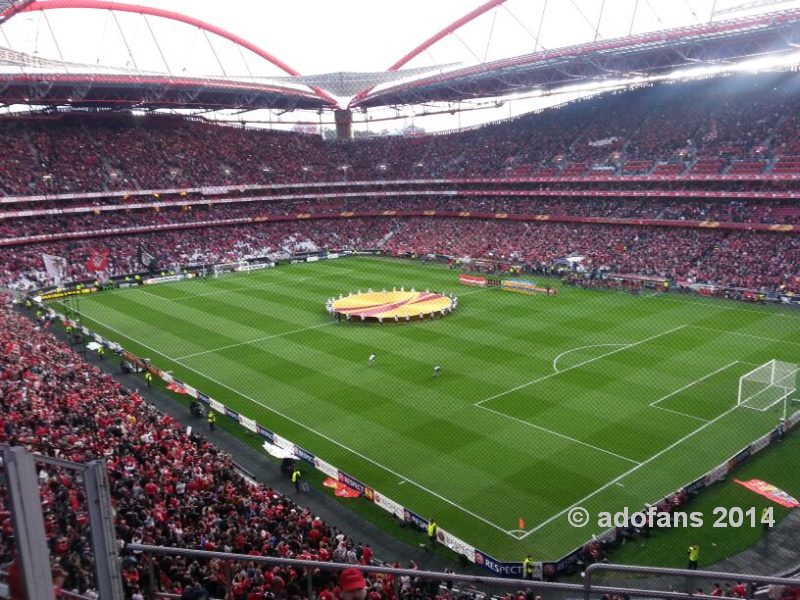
742 28
173 16
452 27
12 8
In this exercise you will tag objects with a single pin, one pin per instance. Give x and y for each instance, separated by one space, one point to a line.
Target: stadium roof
651 54
51 73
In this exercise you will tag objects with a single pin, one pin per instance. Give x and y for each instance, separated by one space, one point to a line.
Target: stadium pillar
104 538
33 556
344 124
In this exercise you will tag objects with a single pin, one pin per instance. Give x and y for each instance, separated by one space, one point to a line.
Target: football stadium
515 315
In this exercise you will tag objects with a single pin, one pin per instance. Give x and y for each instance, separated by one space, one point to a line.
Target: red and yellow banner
472 280
340 489
770 491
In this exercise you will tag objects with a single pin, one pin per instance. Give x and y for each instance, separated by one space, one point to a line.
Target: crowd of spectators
762 261
716 122
92 223
171 488
781 212
784 212
180 248
726 120
168 488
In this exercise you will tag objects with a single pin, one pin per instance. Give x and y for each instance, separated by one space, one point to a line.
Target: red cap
351 580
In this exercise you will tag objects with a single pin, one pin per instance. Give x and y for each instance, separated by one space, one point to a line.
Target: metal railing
689 577
475 584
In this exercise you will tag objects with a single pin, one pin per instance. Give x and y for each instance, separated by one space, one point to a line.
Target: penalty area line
655 403
247 288
309 429
683 414
557 358
261 339
747 335
677 412
561 435
580 364
629 471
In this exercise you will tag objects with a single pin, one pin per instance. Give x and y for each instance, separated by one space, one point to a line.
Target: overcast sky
319 36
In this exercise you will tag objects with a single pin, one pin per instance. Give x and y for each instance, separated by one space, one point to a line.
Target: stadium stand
694 157
168 487
735 126
702 255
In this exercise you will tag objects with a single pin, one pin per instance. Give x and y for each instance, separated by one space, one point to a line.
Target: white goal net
231 267
767 385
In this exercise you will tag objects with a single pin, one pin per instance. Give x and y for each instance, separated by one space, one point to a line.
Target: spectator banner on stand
97 263
147 259
55 267
65 294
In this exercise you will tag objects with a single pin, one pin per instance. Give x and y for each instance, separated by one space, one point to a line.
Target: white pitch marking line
471 292
580 364
261 339
146 291
241 289
561 435
696 381
677 412
749 335
557 358
255 287
628 472
666 298
310 429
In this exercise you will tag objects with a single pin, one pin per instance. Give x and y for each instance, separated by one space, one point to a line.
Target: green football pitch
596 399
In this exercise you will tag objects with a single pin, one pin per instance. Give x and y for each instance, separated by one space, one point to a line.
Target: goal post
231 267
767 385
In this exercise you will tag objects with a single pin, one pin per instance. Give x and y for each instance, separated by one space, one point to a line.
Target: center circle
394 305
